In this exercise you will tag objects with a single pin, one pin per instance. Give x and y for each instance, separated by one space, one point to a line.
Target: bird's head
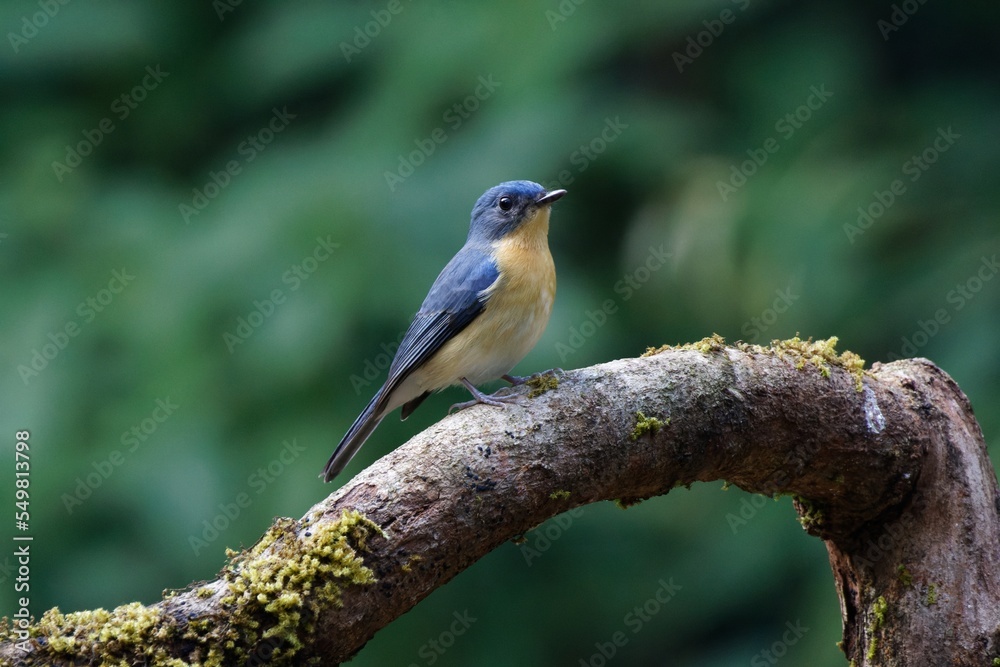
508 207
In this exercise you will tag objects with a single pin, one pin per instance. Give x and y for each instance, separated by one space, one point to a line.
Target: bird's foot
517 380
479 397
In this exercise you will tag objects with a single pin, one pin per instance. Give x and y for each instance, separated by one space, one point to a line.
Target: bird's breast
515 314
517 309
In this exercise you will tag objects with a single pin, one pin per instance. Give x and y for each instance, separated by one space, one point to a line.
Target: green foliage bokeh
640 110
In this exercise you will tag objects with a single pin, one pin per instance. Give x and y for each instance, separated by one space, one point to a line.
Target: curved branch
889 467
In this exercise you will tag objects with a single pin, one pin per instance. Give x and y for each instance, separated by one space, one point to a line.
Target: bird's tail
356 436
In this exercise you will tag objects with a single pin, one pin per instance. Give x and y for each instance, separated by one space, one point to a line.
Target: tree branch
888 467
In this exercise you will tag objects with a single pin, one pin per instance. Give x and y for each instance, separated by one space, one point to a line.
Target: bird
485 311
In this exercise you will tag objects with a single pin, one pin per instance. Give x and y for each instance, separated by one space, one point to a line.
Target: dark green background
656 184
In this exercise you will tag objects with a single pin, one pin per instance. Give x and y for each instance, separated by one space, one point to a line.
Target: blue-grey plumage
486 310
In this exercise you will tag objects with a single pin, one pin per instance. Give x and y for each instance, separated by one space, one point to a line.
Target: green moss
878 620
879 609
904 575
646 425
118 632
625 503
996 662
932 595
407 566
559 495
281 586
810 515
872 647
821 354
713 343
541 384
274 590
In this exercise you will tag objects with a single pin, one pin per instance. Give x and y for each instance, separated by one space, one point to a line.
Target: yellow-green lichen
932 595
542 383
644 425
559 495
877 621
904 575
273 591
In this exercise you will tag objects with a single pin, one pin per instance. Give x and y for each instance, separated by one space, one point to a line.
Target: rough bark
889 468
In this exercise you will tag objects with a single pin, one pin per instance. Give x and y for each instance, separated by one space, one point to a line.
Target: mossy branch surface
888 466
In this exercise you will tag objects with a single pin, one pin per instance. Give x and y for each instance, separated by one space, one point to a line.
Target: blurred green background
166 170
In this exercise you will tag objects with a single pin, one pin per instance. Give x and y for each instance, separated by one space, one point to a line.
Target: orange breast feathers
517 311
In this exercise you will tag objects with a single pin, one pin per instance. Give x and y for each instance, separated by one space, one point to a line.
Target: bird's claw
480 397
495 401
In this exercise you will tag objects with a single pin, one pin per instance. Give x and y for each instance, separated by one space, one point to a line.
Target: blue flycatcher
486 310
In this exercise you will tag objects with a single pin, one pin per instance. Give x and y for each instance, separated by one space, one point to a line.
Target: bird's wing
455 299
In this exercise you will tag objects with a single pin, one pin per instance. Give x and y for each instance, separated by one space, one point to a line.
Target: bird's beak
549 197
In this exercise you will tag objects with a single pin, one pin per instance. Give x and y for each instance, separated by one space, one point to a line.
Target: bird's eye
505 203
